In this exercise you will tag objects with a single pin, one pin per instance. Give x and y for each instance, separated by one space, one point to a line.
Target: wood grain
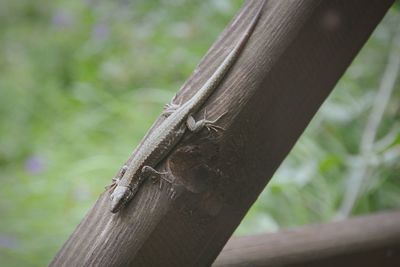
368 241
291 63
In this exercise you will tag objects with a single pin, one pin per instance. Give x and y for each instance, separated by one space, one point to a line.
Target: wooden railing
368 241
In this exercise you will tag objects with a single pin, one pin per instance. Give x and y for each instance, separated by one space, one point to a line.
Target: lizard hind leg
196 126
170 108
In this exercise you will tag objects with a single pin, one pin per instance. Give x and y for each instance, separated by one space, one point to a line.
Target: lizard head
119 197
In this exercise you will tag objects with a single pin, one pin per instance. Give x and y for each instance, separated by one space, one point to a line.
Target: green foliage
396 5
81 80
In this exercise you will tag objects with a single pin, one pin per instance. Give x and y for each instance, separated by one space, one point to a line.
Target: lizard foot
156 175
112 186
169 109
116 179
196 126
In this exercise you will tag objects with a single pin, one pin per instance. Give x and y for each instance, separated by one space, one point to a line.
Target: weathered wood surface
368 241
291 63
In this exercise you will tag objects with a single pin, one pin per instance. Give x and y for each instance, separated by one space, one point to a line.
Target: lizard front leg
123 193
148 171
115 179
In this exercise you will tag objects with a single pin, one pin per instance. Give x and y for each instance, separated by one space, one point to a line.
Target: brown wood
291 63
369 241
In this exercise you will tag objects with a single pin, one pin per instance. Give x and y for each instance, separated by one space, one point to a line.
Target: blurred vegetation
81 81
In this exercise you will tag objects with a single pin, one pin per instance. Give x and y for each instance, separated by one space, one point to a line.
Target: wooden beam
369 241
289 66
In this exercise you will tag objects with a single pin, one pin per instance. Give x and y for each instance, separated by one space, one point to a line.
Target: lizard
179 118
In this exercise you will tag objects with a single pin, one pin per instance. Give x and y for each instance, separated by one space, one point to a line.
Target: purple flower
8 242
100 31
35 164
62 19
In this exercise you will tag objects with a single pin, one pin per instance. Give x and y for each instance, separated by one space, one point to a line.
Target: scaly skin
163 139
